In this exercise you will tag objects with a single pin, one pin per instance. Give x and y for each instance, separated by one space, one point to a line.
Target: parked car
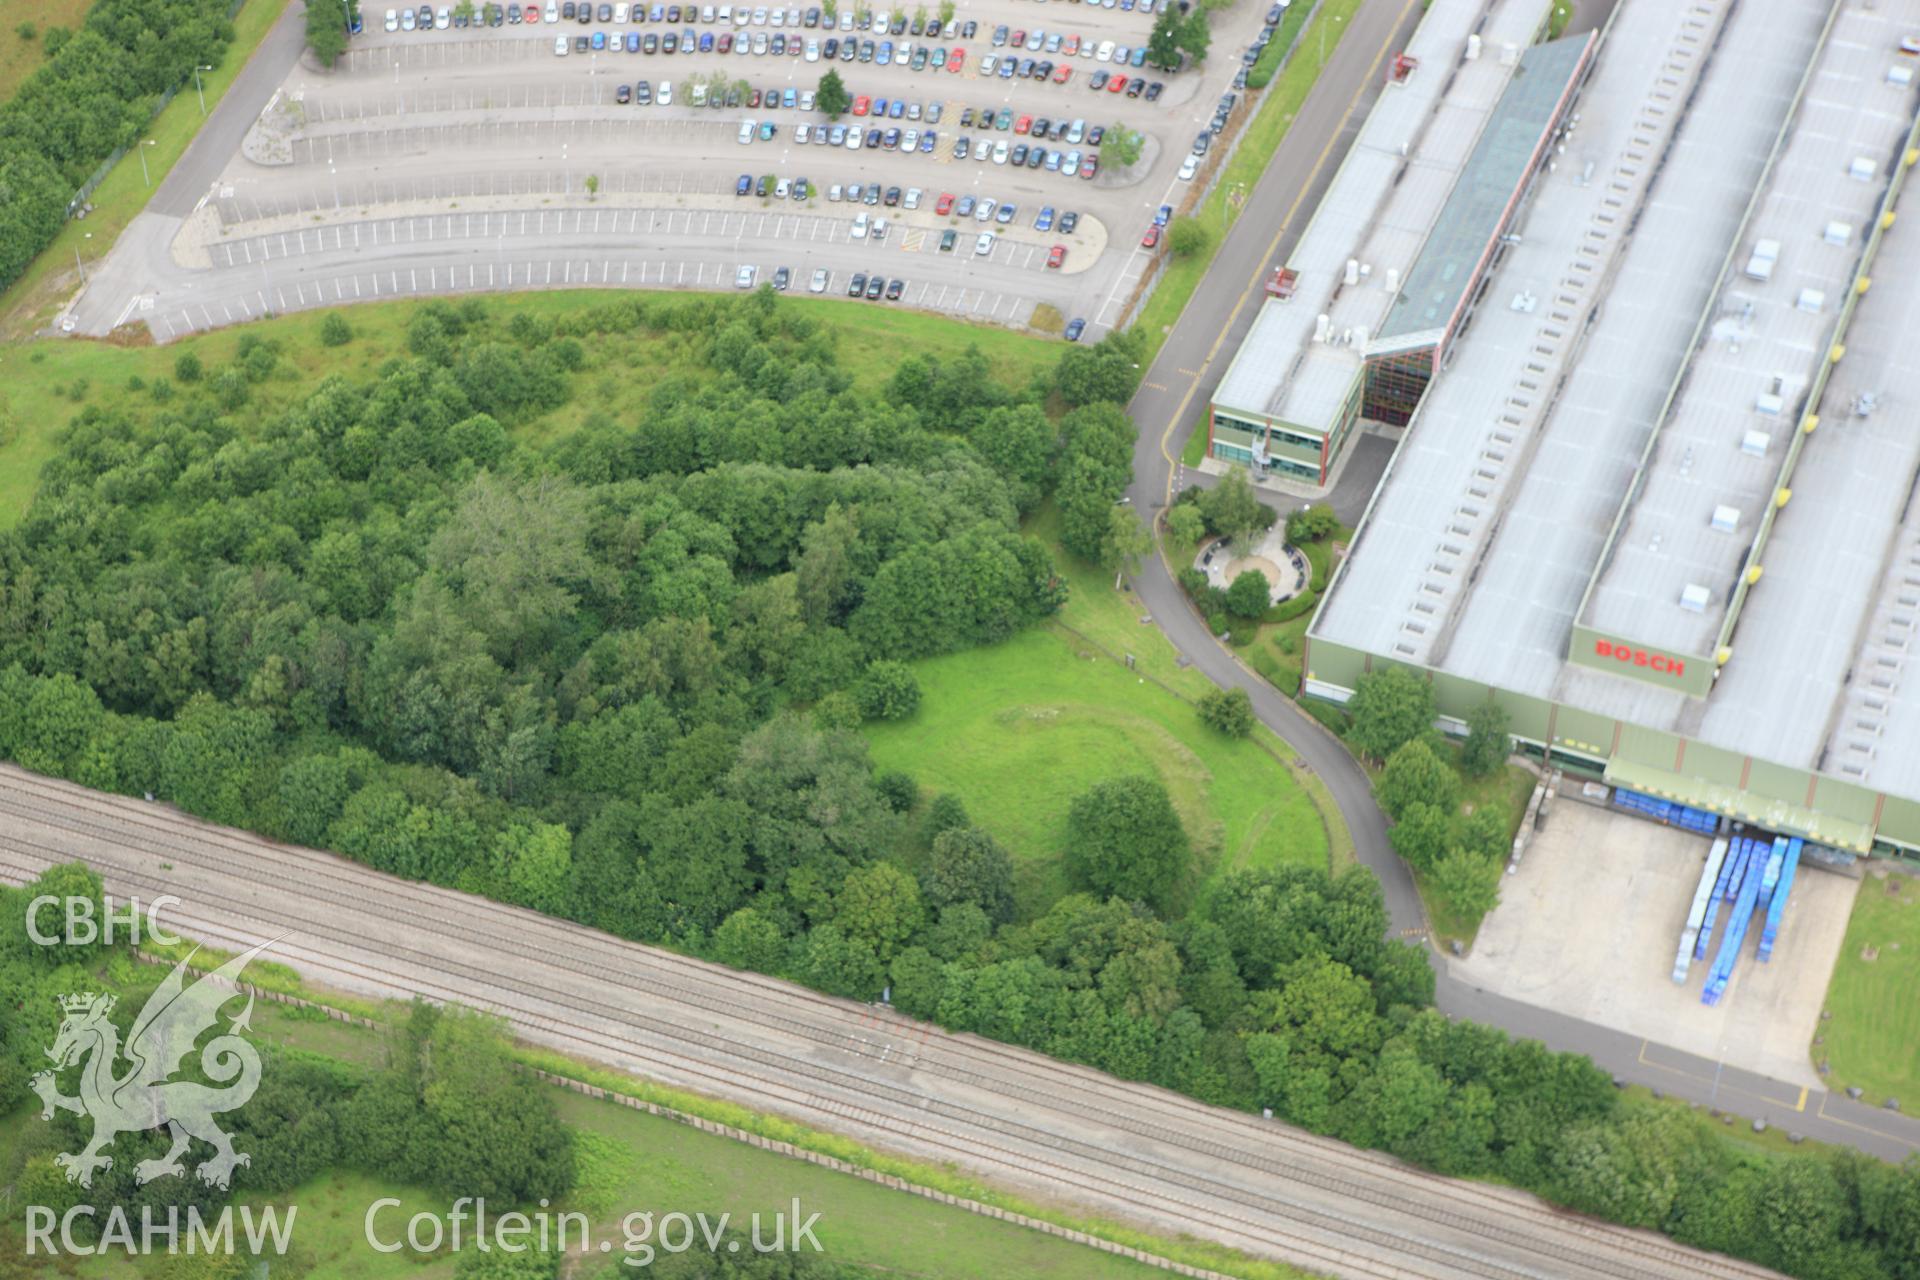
743 278
819 282
983 245
1056 256
1075 327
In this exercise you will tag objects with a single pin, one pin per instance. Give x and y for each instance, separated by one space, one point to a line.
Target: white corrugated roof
1366 215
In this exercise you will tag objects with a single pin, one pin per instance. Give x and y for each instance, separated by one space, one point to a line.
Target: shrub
888 691
1311 525
1298 606
1249 595
1228 710
187 368
335 331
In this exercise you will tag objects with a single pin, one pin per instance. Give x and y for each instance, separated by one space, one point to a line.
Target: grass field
37 379
1873 1038
1018 730
20 56
1279 104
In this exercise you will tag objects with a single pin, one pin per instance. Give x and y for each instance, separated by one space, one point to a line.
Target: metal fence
76 207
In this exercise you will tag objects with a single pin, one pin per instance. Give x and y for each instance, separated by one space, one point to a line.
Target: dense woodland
96 93
618 677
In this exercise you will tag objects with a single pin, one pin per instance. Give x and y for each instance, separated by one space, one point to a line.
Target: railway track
1122 1149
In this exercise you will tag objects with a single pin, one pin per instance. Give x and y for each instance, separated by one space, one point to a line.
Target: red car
1152 237
1117 84
956 60
1018 41
1023 125
944 205
753 98
862 104
1058 255
1062 73
1089 166
725 44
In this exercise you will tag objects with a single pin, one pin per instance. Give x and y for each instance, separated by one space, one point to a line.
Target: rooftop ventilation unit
1754 444
1811 300
1322 325
1726 519
1693 598
1899 75
1862 169
1766 254
1473 47
1837 233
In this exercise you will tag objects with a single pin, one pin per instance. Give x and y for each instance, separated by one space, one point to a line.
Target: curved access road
1172 399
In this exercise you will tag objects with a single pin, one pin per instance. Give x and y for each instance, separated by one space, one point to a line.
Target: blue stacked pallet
1776 910
1735 856
1729 952
1659 810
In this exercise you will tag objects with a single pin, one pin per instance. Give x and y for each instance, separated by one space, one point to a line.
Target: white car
742 16
803 134
1001 151
988 61
760 42
910 141
846 19
746 131
806 104
699 93
859 231
743 278
853 139
833 193
1105 52
406 20
759 17
553 12
819 282
913 198
559 46
620 13
777 18
665 97
813 51
983 212
984 245
1189 167
393 20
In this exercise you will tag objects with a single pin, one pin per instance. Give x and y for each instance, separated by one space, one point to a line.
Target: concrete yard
1589 924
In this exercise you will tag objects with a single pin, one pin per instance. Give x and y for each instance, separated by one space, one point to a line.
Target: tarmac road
1172 399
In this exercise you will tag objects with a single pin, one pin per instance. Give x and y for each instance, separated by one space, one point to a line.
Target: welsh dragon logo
144 1096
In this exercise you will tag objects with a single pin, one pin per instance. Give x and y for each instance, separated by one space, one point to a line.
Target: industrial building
1383 277
1658 500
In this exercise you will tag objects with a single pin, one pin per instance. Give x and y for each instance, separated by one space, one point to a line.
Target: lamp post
197 88
81 266
144 144
1323 38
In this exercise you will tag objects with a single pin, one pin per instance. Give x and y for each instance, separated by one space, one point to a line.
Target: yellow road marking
1180 414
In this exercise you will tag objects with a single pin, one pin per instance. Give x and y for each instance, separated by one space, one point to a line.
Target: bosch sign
1640 657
